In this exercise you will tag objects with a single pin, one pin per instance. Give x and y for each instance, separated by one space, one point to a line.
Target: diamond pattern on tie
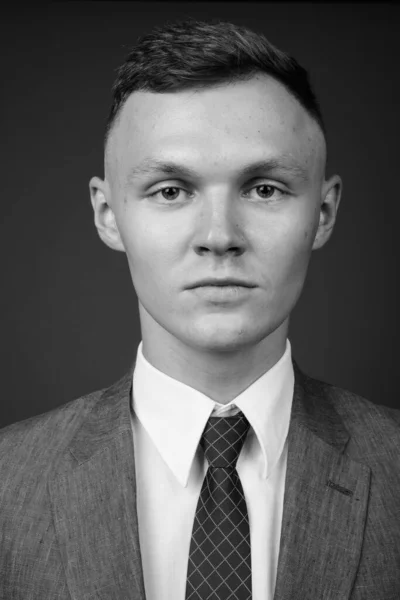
219 566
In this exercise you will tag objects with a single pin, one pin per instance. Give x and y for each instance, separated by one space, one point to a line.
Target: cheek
151 253
288 252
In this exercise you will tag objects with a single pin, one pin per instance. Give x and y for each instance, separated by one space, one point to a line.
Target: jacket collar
111 416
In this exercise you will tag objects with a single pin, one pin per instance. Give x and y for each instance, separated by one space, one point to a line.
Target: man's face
218 221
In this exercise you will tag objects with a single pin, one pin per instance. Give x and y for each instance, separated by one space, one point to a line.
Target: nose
219 228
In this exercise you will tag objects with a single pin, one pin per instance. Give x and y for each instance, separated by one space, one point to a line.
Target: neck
221 376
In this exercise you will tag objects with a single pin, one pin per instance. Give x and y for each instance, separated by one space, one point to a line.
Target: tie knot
223 438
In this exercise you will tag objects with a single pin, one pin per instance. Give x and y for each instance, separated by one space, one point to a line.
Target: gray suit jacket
68 521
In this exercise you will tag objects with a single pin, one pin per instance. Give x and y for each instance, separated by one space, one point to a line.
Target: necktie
219 565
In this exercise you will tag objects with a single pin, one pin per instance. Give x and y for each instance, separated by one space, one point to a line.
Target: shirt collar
175 414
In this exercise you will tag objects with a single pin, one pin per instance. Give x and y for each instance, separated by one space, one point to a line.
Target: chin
220 337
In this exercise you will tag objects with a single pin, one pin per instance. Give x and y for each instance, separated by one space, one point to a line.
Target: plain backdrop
69 321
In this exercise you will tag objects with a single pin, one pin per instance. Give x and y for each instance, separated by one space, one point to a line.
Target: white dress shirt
168 419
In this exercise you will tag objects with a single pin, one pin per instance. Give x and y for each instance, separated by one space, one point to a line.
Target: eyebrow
151 166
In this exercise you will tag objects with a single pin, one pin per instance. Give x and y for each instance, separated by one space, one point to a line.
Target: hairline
243 77
117 117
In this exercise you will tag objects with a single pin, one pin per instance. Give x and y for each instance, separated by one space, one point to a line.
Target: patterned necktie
219 564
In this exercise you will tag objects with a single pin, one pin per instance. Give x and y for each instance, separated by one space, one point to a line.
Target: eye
267 191
170 192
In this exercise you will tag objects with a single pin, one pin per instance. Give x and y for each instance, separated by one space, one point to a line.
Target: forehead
216 128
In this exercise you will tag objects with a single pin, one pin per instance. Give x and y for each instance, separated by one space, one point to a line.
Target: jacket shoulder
374 428
35 442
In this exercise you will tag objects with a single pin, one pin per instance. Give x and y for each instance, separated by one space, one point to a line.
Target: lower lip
222 293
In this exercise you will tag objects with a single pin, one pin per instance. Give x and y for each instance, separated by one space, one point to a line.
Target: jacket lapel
325 501
93 496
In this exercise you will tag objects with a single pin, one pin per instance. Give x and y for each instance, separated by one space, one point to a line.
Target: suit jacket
68 520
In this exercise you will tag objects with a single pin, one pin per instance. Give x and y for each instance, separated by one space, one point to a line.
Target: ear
104 217
330 200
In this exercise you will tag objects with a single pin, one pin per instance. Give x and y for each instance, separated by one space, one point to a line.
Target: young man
215 468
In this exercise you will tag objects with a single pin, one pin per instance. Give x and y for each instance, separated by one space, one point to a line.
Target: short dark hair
192 54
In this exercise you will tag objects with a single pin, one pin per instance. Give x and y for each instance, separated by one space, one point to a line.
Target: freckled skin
219 349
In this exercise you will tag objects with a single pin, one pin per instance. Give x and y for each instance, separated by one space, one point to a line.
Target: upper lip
222 281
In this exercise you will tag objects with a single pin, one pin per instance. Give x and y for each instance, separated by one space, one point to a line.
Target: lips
222 283
222 294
